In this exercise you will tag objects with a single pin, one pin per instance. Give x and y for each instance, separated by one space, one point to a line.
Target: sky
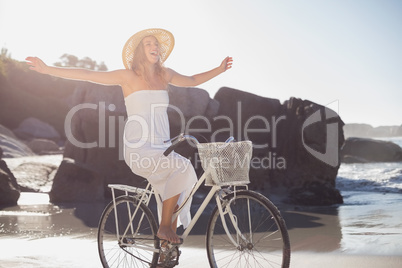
344 54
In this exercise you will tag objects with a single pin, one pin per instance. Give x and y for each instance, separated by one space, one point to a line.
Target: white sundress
145 131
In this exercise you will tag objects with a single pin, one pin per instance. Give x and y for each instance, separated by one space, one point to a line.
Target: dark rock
188 103
42 146
353 159
8 194
295 144
76 183
245 116
13 147
370 150
5 169
191 110
95 130
309 139
34 177
315 194
34 128
9 188
94 133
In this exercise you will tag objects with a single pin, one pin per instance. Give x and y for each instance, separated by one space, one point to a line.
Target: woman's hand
226 64
36 64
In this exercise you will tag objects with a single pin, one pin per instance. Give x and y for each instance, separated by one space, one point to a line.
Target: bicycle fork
225 209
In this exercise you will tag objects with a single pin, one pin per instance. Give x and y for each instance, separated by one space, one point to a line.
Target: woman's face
151 48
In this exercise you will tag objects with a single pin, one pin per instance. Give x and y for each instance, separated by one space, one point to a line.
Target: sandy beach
77 252
39 234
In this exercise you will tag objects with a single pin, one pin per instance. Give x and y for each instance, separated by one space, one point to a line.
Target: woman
144 83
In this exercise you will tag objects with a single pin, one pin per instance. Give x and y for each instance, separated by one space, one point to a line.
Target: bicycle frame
145 197
147 194
137 235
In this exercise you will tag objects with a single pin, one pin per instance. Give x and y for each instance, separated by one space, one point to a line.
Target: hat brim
165 39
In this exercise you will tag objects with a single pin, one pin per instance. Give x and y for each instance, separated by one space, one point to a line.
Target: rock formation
296 145
94 128
34 128
291 155
11 145
365 150
9 189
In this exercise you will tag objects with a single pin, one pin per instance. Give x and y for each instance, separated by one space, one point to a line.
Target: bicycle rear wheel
263 240
136 244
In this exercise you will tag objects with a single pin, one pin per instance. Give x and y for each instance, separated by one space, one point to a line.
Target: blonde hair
138 65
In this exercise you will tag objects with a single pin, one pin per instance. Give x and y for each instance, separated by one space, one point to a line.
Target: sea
371 217
371 177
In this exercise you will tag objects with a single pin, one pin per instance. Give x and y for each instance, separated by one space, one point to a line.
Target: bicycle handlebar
182 137
176 141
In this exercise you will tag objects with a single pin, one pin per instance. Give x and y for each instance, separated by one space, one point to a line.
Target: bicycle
244 230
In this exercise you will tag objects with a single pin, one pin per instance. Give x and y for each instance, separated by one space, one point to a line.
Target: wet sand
75 252
38 234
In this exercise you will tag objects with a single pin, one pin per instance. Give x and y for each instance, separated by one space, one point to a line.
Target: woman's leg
174 223
167 229
174 228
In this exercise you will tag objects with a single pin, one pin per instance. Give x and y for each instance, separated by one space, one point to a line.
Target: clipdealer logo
330 156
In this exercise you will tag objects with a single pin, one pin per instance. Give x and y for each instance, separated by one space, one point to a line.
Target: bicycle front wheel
129 243
255 235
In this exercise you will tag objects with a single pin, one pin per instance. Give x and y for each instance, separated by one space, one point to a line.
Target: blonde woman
144 83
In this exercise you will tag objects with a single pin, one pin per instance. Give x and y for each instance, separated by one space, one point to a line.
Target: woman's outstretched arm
117 77
195 80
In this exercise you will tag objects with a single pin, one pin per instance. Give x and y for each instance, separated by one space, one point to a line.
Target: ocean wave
371 177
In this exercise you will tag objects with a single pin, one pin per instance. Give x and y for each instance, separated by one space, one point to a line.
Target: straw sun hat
165 39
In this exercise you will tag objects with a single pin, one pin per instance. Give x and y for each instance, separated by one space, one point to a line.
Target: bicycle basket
226 163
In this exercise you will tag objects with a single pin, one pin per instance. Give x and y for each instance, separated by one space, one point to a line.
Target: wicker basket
226 163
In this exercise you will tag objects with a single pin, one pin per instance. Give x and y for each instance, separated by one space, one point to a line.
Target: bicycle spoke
262 242
136 244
